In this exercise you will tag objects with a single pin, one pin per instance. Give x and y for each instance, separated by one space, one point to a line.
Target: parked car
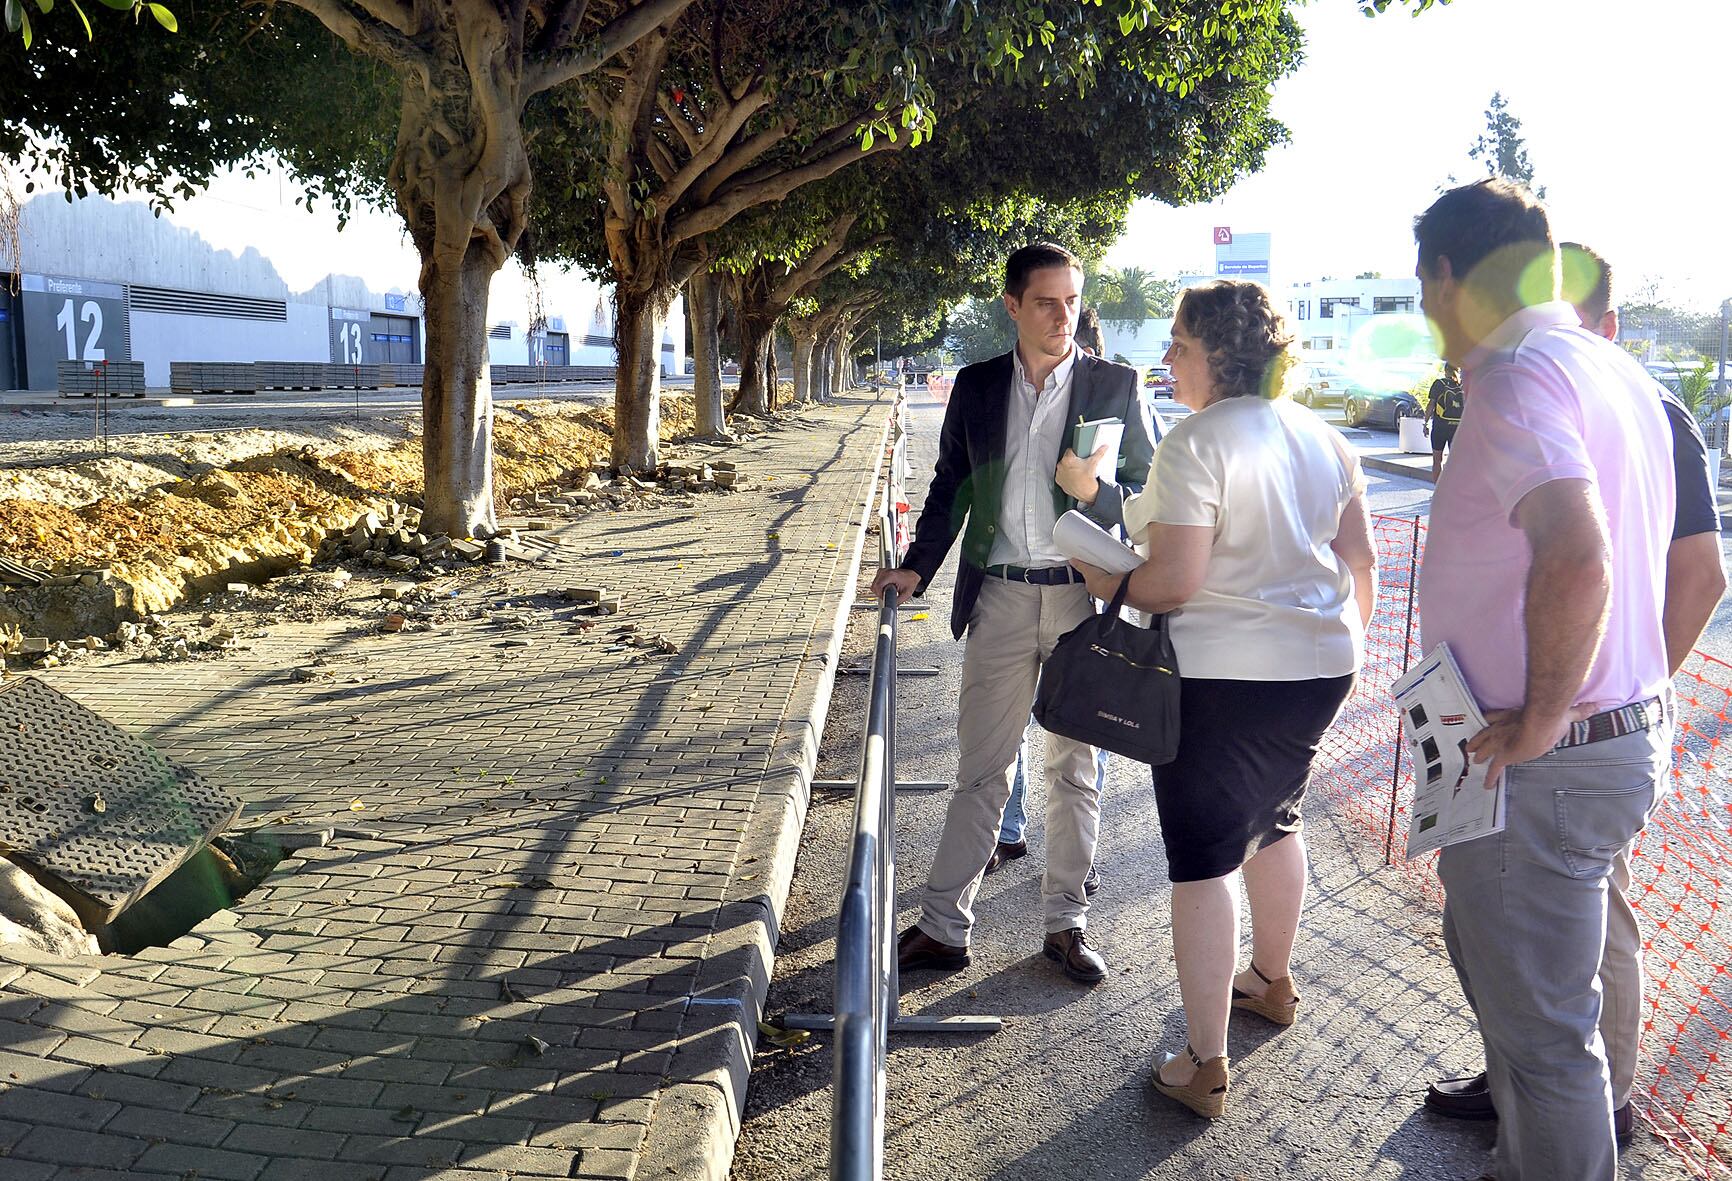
1383 409
1159 381
1323 384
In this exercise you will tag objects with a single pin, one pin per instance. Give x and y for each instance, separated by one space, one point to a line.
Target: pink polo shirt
1547 401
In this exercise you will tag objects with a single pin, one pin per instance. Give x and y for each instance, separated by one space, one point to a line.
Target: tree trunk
637 393
772 371
706 354
754 365
457 401
804 341
465 205
838 364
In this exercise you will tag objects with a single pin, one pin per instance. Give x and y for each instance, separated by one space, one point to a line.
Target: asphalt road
1062 1092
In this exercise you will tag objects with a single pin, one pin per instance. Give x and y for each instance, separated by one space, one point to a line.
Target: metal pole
1406 659
1720 388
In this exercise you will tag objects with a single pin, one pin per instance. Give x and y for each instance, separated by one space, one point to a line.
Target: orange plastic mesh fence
1683 1084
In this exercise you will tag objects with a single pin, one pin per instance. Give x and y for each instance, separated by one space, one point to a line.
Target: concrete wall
158 338
121 242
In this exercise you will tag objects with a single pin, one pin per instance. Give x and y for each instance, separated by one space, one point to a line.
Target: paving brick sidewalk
538 945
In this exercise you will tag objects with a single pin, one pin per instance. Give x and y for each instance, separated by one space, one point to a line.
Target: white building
1328 314
105 280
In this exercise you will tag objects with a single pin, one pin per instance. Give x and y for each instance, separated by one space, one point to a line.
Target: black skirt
1245 751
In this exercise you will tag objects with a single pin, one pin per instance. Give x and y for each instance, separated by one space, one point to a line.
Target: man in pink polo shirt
1545 574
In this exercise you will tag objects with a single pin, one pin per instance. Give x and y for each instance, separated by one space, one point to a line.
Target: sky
1622 106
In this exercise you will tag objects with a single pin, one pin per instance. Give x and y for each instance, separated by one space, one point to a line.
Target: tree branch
842 260
716 48
563 26
369 35
739 198
784 292
741 158
715 141
661 158
621 33
677 120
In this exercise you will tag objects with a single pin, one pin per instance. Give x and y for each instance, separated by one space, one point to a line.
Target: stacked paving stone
536 941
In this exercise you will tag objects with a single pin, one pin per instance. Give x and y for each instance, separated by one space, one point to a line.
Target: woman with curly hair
1259 549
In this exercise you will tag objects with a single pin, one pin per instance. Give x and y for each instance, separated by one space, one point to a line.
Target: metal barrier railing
866 996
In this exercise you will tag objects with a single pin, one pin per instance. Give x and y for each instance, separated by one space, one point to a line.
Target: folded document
1080 538
1451 802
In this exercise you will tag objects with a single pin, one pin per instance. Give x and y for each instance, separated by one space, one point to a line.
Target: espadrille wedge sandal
1279 1003
1206 1093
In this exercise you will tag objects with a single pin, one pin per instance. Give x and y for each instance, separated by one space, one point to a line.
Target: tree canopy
652 140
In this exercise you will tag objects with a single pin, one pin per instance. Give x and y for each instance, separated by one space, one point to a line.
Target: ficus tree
418 102
736 105
626 132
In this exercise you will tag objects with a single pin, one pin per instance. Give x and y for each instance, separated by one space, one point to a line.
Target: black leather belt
1046 576
1615 723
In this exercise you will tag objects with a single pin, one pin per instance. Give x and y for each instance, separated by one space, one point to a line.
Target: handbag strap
1119 596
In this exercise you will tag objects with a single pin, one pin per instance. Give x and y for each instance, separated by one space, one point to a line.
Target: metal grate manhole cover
94 807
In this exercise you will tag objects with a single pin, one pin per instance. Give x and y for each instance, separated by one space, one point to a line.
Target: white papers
1091 435
1451 802
1078 537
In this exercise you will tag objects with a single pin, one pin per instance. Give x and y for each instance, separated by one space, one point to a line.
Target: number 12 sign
70 320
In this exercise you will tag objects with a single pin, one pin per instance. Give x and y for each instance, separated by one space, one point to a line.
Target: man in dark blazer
1005 473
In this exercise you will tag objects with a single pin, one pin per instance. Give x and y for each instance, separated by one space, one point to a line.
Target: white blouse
1271 479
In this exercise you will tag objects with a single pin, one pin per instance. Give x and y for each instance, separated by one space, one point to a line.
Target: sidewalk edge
699 1111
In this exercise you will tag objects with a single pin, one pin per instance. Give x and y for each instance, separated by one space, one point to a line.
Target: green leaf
24 17
13 14
45 6
89 34
164 17
866 141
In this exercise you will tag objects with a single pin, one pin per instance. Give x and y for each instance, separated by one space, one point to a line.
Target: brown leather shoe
915 949
1005 851
1077 958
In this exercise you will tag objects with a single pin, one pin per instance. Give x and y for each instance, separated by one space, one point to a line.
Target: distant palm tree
1129 295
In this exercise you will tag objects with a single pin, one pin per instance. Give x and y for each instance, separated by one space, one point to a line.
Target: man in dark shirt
1443 416
1695 581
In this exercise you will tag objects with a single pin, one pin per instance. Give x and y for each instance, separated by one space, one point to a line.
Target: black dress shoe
1624 1125
1461 1098
1091 883
1077 958
915 949
1470 1098
1005 851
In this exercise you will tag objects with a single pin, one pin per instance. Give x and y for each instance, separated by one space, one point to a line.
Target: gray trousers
1621 982
1524 918
1013 631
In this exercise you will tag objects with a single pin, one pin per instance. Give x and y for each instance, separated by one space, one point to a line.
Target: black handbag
1114 685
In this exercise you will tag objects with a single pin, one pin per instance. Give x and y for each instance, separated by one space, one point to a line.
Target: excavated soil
274 508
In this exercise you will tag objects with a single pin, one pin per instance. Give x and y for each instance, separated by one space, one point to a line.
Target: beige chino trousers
1013 630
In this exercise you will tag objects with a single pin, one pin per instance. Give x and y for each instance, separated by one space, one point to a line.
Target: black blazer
968 479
